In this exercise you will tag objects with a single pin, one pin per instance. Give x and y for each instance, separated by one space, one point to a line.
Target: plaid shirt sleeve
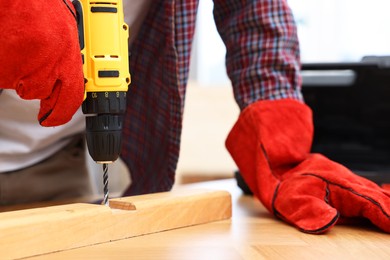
262 57
159 67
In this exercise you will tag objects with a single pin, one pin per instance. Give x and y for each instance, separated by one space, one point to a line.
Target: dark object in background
242 184
351 109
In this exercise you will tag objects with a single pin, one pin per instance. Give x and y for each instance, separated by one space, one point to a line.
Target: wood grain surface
251 233
39 231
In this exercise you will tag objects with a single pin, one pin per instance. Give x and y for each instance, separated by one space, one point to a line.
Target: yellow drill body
105 46
103 37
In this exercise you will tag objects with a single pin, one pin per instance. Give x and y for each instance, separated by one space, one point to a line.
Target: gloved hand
40 56
271 144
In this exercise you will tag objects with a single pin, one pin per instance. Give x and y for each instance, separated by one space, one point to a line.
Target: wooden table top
252 233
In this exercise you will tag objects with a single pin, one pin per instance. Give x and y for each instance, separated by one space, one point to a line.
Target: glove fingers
353 196
62 104
362 201
303 202
68 92
34 88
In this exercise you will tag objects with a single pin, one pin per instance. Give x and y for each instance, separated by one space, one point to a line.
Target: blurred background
330 32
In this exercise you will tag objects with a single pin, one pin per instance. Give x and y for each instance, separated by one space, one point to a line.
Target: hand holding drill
40 56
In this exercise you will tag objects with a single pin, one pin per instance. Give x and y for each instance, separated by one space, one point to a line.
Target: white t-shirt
23 142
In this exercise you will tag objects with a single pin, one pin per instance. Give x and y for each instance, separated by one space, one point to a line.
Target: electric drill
103 37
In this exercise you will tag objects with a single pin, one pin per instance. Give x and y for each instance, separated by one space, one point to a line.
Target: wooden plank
252 233
38 231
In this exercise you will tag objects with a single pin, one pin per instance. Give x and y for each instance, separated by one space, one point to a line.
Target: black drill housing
104 120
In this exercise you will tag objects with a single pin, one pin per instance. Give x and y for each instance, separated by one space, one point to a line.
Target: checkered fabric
262 62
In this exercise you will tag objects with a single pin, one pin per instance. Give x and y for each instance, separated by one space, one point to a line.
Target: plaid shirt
262 62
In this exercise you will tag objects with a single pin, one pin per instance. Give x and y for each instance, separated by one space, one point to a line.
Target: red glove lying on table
40 56
271 144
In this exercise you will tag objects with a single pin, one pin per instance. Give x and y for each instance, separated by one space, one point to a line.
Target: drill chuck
104 121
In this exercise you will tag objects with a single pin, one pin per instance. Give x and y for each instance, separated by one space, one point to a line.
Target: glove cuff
269 138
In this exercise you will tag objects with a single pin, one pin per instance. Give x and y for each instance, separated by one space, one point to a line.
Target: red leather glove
271 144
40 56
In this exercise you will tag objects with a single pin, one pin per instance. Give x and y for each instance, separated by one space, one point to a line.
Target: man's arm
262 58
271 140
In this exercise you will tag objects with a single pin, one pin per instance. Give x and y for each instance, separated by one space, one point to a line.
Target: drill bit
105 183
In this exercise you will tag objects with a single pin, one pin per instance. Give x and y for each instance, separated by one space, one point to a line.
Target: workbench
251 233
